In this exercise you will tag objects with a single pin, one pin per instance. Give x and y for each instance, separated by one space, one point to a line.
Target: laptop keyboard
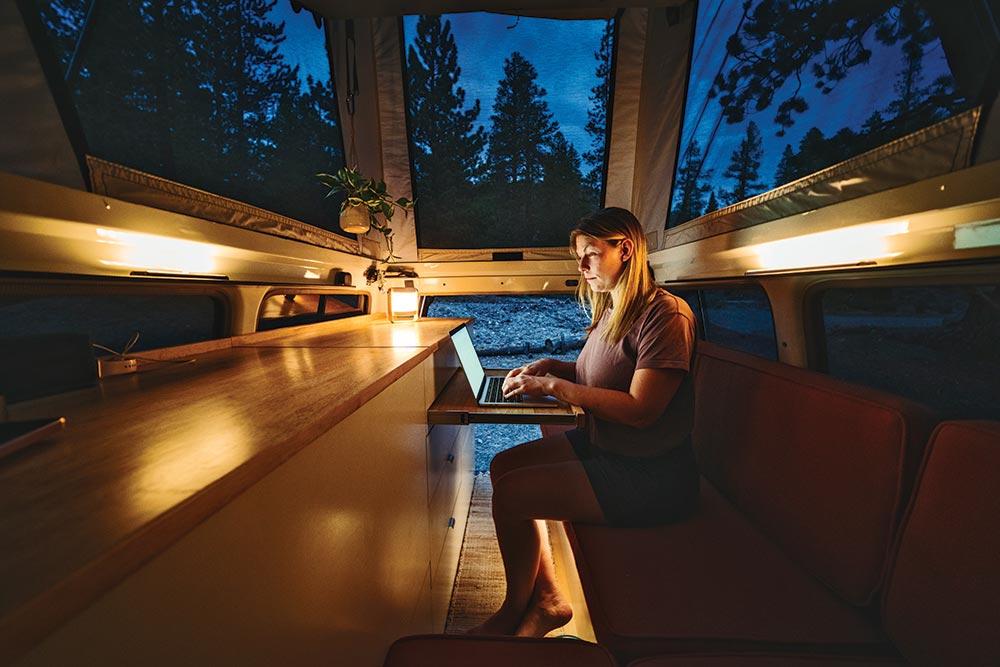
494 391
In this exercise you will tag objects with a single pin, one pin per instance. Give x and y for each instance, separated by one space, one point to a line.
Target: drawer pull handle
451 522
451 458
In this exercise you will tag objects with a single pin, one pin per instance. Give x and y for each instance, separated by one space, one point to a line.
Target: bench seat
483 651
711 583
805 481
727 589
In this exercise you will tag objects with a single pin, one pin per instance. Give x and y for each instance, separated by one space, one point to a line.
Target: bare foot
543 616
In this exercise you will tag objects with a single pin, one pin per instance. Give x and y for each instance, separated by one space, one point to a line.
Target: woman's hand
538 367
527 384
519 380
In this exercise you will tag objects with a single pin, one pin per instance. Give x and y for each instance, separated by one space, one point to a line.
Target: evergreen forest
520 183
201 92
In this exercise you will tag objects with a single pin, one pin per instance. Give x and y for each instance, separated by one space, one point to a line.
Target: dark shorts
640 491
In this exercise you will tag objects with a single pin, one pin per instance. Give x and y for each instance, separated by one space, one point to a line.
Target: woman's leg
542 479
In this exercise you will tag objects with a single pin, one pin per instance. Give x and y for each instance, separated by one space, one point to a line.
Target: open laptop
488 389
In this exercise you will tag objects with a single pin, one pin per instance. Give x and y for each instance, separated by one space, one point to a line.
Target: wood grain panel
321 562
146 457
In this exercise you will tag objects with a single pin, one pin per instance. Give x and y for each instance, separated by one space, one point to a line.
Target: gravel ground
506 326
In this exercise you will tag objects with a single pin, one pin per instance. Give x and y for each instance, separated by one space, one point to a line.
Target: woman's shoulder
665 311
666 304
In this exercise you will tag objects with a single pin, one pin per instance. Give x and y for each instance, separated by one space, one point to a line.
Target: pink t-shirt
663 337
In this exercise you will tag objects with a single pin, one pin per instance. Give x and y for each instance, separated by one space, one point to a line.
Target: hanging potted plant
366 205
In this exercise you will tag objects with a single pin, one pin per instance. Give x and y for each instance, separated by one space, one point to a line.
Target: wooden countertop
145 457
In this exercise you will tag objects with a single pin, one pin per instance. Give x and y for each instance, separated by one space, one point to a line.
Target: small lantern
404 302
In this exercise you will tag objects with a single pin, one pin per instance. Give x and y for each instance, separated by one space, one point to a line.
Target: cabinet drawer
440 453
441 505
455 485
444 563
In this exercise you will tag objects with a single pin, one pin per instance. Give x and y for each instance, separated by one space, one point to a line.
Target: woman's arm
650 392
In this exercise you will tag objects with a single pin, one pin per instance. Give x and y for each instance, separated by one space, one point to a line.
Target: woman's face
600 262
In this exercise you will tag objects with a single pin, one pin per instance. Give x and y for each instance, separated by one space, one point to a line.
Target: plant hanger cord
351 86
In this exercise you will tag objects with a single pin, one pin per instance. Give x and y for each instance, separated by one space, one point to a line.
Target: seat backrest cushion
485 651
821 466
942 601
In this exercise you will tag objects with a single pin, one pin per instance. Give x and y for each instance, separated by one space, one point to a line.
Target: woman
633 465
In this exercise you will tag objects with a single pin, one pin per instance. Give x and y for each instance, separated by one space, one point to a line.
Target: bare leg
550 607
536 480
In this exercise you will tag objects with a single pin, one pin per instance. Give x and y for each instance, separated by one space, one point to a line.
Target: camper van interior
235 236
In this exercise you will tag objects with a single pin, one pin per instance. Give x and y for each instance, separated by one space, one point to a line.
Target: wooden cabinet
282 501
323 561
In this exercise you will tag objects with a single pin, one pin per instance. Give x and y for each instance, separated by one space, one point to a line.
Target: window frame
701 286
956 274
223 302
365 301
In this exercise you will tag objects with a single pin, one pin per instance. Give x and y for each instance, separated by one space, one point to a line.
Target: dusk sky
305 45
868 87
561 51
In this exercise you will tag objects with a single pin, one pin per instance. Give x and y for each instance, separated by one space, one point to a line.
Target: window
509 331
780 90
111 320
739 318
289 309
933 344
508 120
234 98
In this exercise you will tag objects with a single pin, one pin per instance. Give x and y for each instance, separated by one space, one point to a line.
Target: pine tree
238 53
201 95
564 198
445 141
874 129
522 125
744 166
786 171
778 42
813 152
510 199
597 114
713 202
307 139
690 186
116 88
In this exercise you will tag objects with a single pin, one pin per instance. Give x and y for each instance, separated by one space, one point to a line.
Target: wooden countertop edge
32 621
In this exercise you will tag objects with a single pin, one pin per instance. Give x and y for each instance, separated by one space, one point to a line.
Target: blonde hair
635 288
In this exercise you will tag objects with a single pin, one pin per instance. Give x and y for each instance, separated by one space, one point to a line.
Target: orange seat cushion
474 651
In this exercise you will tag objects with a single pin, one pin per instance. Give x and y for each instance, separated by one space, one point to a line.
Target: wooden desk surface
144 458
457 405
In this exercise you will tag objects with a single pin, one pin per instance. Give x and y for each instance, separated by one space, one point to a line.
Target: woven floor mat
480 582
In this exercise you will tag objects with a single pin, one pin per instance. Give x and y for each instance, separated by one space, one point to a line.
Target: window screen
508 122
936 345
739 318
235 98
779 90
111 320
